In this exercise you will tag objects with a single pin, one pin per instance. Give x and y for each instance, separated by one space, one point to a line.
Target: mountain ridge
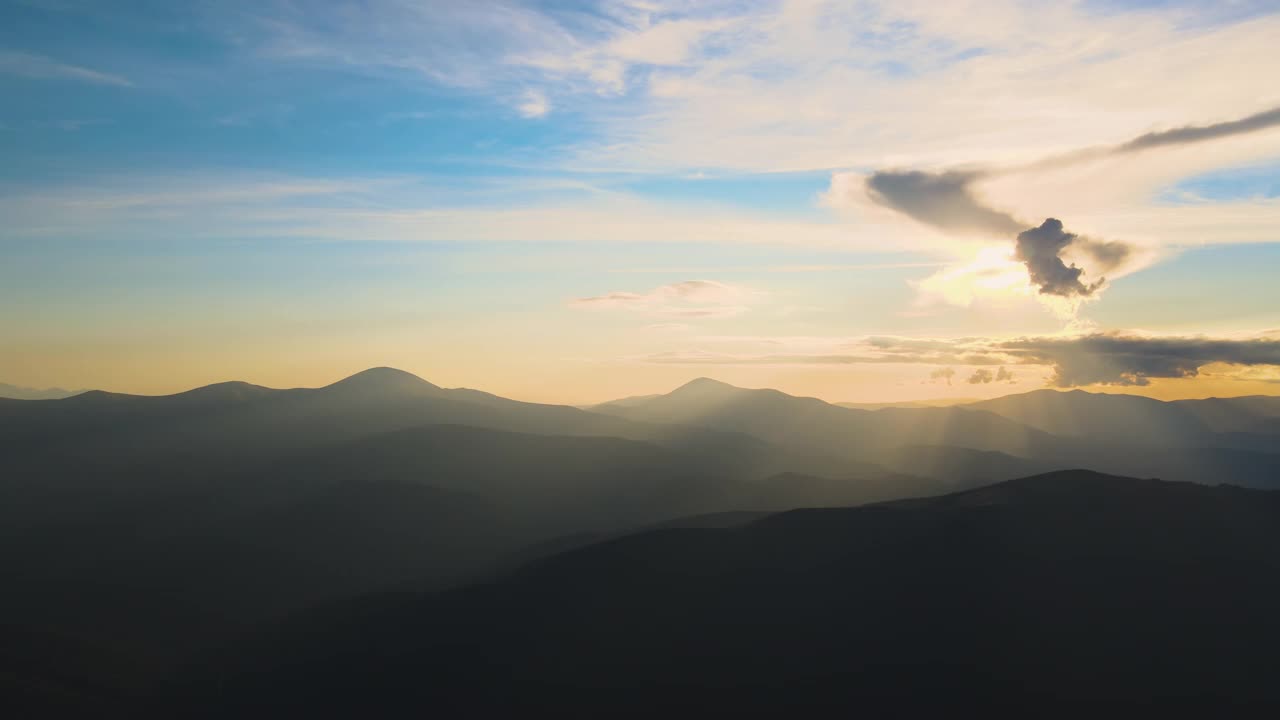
382 376
1035 592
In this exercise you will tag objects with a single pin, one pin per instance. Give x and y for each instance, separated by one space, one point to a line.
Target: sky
579 200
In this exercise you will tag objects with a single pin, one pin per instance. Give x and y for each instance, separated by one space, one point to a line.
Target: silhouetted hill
383 380
557 482
201 399
1250 414
623 402
1186 440
959 467
564 543
1030 432
1066 587
809 422
791 490
1138 420
1128 418
233 427
577 483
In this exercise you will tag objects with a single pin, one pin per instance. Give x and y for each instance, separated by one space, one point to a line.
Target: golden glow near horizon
573 384
915 202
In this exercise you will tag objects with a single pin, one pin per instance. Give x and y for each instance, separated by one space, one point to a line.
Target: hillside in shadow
1071 586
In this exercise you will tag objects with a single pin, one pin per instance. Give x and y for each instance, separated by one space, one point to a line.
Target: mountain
191 518
959 467
1116 418
808 422
1250 414
1070 587
624 402
247 417
231 427
1021 434
556 483
1138 420
382 381
17 392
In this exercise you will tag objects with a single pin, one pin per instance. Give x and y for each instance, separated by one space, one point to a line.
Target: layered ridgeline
189 516
1071 586
1219 439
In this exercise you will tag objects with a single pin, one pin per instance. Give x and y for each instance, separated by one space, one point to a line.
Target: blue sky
284 192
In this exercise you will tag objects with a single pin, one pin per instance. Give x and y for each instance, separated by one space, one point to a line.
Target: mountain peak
383 379
234 389
705 384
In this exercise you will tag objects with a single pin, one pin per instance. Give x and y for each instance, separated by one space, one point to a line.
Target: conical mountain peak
383 379
705 384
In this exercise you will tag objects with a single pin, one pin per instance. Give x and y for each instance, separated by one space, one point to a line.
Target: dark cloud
1117 359
700 357
943 200
946 200
1187 135
943 374
1040 250
1200 133
1113 358
981 376
1106 254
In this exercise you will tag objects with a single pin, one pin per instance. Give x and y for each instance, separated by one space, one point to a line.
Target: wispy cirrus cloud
39 66
399 208
817 351
757 85
637 37
689 299
549 50
834 84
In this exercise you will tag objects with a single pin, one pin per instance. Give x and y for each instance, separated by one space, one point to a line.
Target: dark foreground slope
1061 587
138 576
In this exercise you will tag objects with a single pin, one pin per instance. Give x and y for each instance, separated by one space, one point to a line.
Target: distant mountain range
1134 418
1198 439
25 393
189 518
